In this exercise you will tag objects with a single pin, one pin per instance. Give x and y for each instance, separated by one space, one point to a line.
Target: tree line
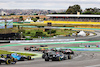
77 8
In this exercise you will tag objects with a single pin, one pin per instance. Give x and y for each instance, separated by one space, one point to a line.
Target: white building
3 13
81 33
28 20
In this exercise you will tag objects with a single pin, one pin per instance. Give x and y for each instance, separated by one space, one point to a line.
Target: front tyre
43 56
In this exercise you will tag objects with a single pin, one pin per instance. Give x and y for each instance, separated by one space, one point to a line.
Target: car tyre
8 61
29 58
58 58
43 56
69 57
46 58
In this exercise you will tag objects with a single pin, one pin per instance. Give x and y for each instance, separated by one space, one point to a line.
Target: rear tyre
69 57
8 61
25 48
28 58
2 56
46 58
59 59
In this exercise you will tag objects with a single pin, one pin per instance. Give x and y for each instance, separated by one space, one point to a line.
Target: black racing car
43 45
68 52
54 49
54 56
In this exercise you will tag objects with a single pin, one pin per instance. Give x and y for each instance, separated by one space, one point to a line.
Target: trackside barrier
73 22
81 45
87 46
51 40
91 46
98 46
82 49
4 41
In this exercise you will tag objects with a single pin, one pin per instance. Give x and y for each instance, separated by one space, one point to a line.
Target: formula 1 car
7 59
43 45
4 60
68 51
26 48
43 48
33 49
54 56
39 49
54 49
29 48
20 57
32 46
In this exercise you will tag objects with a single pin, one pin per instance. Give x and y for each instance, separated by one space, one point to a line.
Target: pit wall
73 22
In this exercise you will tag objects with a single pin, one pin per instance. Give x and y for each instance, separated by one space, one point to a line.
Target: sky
47 4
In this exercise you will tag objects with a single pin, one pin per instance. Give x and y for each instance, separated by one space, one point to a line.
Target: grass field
6 52
10 30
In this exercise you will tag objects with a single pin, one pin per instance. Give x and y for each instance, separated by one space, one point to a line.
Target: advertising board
9 24
2 24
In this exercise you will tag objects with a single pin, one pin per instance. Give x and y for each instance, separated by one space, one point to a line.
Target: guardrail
43 40
90 46
4 41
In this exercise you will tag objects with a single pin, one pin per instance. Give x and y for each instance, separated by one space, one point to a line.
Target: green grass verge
7 52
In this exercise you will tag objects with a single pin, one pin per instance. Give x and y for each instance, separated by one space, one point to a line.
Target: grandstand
73 17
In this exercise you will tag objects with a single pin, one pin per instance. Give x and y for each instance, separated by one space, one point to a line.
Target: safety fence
43 40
